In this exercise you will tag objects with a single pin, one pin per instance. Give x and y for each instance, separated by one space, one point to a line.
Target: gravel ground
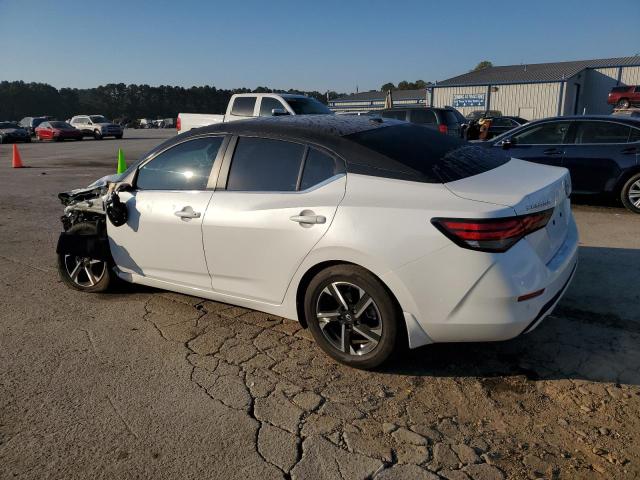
144 383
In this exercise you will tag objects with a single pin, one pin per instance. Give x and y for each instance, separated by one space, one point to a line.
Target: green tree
482 65
388 86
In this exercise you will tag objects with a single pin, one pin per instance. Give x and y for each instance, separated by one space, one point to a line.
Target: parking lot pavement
151 384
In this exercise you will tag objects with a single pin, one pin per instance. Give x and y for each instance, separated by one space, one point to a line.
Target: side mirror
276 112
507 143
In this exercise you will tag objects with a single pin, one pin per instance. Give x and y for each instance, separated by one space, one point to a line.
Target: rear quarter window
433 157
243 106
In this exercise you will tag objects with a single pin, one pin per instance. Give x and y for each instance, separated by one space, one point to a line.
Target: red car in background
624 96
57 131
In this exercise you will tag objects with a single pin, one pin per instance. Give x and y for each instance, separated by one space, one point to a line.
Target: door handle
307 218
187 212
552 151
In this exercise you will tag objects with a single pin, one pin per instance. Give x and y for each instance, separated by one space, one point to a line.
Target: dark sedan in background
11 132
602 153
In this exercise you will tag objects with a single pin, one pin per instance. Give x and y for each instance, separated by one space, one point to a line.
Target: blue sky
310 45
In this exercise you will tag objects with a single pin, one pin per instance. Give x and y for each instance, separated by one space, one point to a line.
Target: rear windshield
307 106
435 158
60 125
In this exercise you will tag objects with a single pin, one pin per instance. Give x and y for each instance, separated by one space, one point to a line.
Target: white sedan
371 232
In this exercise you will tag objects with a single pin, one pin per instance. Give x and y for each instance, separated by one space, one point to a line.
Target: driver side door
162 239
544 142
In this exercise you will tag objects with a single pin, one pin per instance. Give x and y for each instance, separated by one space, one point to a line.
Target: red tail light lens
494 234
442 128
178 124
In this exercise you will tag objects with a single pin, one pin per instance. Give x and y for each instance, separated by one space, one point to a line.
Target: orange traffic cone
17 161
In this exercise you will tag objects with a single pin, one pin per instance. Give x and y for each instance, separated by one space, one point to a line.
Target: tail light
442 128
178 124
494 234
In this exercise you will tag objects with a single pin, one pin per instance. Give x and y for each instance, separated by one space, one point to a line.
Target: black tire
79 139
381 310
102 274
119 137
630 194
28 140
623 103
97 135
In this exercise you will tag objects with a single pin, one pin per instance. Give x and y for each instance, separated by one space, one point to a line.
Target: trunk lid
527 188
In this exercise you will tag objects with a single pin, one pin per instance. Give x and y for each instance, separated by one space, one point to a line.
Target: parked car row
45 128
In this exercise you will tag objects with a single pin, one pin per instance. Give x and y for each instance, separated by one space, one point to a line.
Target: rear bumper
463 296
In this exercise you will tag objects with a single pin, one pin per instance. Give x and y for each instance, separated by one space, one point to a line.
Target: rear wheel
352 316
82 273
630 194
623 103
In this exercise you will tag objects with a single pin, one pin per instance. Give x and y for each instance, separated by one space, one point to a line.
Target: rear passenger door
274 201
598 156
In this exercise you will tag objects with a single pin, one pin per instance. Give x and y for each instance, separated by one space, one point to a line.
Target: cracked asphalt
141 383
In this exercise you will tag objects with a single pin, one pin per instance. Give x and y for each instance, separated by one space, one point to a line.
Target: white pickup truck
250 105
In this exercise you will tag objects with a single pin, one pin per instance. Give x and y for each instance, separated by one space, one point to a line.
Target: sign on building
469 100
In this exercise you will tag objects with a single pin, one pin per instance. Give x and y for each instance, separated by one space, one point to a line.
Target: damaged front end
90 207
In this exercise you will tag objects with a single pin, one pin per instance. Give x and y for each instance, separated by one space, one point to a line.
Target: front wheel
97 135
623 103
352 316
630 194
81 273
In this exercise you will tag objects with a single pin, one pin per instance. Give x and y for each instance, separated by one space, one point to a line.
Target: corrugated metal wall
630 76
532 101
596 87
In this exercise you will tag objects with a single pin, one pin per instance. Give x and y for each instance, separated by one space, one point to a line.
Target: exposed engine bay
91 205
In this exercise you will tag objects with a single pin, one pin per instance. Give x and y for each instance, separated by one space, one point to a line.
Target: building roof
536 72
376 95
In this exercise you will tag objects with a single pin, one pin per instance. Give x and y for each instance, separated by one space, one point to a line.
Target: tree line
19 99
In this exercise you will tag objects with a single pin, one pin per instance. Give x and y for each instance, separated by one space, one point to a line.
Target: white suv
97 126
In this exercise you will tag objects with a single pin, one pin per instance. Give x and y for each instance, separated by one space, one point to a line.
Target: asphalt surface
140 383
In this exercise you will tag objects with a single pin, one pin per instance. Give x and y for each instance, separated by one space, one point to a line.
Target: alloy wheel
84 272
349 318
634 194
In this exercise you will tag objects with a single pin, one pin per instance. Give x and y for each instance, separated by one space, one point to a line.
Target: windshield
98 119
60 125
434 157
8 125
307 106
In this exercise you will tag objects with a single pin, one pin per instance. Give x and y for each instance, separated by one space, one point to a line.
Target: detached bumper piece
90 246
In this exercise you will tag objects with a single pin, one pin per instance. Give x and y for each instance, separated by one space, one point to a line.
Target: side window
317 168
184 167
602 132
552 133
634 135
501 122
636 90
265 165
423 117
243 106
267 104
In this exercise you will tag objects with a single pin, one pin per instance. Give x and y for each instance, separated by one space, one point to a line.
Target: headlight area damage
84 219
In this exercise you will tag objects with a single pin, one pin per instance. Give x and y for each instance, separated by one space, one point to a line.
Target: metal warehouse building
530 91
